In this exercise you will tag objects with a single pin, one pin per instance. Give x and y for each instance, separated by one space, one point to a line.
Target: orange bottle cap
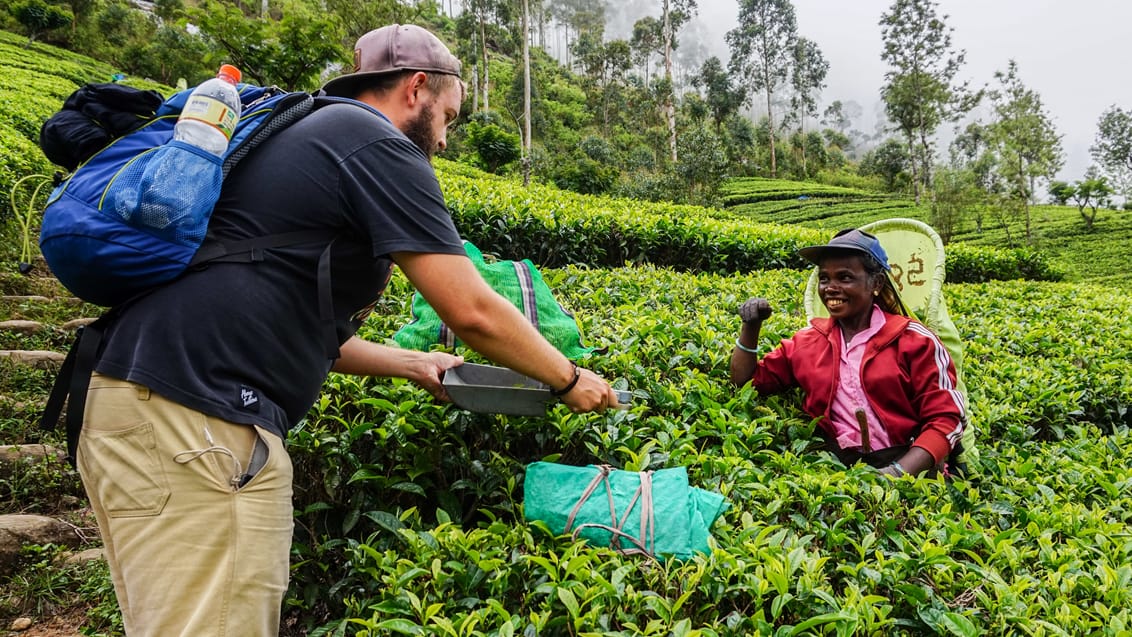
230 71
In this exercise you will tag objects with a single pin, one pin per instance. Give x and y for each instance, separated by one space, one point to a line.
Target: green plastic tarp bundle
517 281
650 512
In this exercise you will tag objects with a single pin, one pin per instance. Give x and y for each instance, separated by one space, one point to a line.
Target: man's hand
591 393
755 310
428 372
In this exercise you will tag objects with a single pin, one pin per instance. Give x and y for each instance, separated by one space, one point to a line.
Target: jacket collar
894 325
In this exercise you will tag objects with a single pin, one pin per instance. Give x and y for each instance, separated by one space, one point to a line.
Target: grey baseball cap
393 48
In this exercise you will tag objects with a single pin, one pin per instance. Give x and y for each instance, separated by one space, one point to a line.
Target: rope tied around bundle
646 544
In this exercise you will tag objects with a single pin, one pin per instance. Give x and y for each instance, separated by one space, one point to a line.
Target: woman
882 384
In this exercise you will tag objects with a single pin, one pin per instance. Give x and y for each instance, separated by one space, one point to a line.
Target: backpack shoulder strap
72 382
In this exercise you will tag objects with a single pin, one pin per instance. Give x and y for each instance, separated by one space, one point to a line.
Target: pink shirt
850 395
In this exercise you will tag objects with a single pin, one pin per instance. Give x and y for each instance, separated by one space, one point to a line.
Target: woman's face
845 288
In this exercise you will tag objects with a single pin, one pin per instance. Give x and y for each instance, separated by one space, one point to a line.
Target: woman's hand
755 310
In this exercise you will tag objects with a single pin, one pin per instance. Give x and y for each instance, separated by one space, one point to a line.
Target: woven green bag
516 281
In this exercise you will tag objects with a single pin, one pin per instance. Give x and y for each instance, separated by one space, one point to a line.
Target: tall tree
807 78
526 157
970 153
761 52
605 65
918 93
723 98
1112 148
646 42
583 16
1023 137
674 13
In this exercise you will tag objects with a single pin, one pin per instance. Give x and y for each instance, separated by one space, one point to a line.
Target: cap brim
346 85
814 254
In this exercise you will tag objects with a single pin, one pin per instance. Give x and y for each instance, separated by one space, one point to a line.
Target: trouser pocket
130 480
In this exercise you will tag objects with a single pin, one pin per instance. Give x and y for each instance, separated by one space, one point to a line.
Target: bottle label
211 111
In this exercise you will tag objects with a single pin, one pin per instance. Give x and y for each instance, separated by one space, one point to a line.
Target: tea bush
410 512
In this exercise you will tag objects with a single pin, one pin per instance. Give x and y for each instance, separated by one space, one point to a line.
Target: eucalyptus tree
604 65
723 98
970 153
762 48
840 115
1112 148
583 16
674 13
807 78
526 147
919 91
1023 138
646 42
488 24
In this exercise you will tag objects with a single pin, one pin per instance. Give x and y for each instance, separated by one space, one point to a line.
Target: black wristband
566 390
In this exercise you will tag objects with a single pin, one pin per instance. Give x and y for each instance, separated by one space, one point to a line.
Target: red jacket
906 372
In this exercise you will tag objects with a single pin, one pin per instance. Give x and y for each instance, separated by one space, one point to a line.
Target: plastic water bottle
211 113
170 192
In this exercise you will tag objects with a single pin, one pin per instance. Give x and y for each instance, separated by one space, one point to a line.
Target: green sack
518 282
610 507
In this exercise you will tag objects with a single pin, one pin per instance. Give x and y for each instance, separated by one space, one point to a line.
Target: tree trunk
770 131
912 162
526 158
486 77
926 162
475 88
1026 200
802 130
669 105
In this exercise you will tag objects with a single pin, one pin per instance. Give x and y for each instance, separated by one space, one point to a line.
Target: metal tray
488 389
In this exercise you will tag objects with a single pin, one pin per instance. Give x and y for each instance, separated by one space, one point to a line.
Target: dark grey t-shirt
244 342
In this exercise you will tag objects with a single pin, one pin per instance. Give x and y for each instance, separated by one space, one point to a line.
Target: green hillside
409 514
1092 255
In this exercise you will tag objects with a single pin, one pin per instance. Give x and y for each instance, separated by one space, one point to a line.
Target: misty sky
1073 53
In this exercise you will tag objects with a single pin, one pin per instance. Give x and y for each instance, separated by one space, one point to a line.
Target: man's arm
361 357
492 326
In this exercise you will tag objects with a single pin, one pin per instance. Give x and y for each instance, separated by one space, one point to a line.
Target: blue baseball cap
848 240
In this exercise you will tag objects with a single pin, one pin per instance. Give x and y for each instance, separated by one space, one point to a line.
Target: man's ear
413 86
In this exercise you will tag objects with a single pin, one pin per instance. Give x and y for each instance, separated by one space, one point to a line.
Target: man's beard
419 131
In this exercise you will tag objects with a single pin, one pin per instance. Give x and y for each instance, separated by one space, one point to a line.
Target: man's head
410 76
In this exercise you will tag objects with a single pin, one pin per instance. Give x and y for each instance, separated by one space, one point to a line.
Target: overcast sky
1075 54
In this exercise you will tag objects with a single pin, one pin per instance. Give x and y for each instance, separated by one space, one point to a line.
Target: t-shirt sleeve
392 192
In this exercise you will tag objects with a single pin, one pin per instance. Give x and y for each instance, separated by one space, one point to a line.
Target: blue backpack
103 256
104 259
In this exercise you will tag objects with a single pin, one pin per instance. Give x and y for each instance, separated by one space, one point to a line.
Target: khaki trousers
192 551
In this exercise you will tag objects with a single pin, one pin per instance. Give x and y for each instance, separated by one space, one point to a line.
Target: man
182 450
